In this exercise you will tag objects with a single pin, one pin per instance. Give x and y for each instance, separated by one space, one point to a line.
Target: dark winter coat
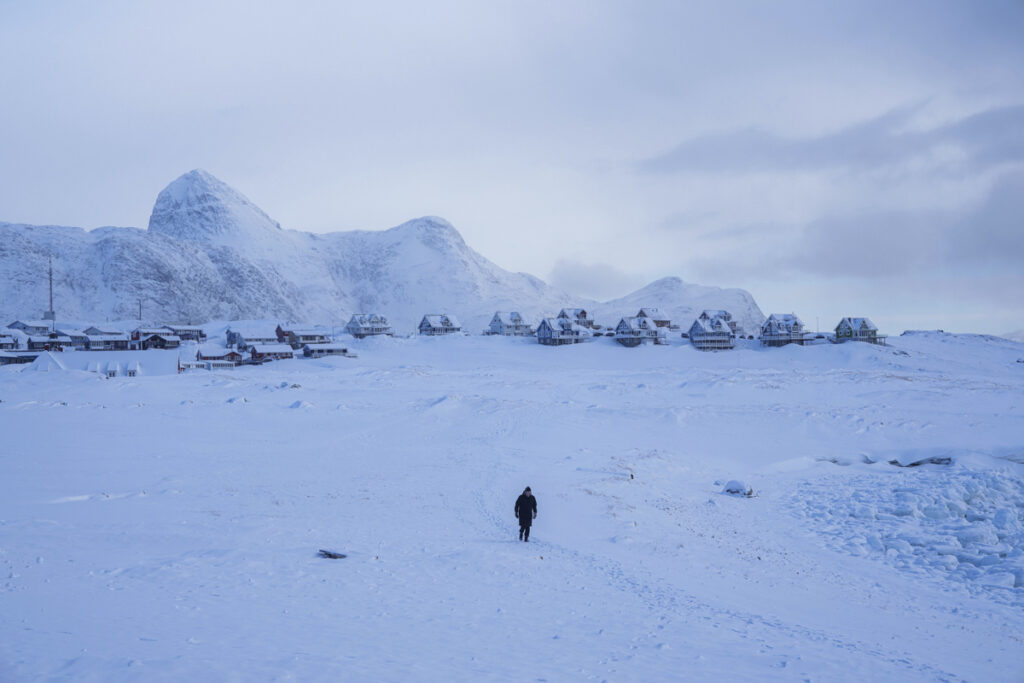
526 508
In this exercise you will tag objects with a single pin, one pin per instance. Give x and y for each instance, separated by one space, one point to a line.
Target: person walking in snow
526 512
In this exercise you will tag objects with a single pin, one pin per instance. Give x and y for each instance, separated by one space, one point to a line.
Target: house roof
573 313
856 323
162 335
307 332
271 348
440 320
107 337
61 338
652 313
367 319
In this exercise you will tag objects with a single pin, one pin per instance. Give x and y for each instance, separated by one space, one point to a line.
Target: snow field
164 527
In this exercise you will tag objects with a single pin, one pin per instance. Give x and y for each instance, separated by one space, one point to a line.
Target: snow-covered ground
166 527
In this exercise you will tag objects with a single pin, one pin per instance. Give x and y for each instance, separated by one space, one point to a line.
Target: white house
8 343
635 330
781 329
709 315
712 332
858 329
364 325
435 324
32 327
107 342
578 316
509 324
558 331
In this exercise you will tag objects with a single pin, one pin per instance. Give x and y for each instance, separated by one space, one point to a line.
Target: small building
781 329
558 331
709 315
265 352
79 339
712 332
209 352
635 330
18 357
437 324
107 342
364 325
657 317
578 316
50 342
297 338
509 324
33 328
8 343
858 329
188 332
321 350
241 337
157 340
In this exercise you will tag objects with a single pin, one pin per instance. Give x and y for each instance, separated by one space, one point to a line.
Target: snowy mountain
1015 336
211 254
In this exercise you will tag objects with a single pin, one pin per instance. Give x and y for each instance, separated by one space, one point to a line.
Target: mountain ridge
210 253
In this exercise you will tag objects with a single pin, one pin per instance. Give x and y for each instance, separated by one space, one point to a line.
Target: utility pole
140 310
50 314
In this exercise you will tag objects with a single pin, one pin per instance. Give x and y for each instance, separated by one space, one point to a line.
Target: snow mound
46 362
967 526
734 487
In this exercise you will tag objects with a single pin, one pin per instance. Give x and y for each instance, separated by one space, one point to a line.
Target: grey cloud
989 137
599 281
988 237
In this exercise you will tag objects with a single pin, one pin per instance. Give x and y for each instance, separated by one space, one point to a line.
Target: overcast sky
860 158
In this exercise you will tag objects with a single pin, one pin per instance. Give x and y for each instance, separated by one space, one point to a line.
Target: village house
364 325
32 327
712 332
107 342
858 329
188 332
79 339
558 331
654 315
635 330
578 316
781 329
726 316
297 338
266 352
50 342
209 352
321 350
436 324
509 324
241 337
8 343
143 338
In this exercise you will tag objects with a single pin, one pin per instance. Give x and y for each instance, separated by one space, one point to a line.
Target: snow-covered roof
367 319
162 330
713 325
573 313
185 328
59 338
709 313
271 348
307 333
254 332
32 323
508 317
857 323
652 313
163 335
440 320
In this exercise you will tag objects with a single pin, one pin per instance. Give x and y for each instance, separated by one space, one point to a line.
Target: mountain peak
200 207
